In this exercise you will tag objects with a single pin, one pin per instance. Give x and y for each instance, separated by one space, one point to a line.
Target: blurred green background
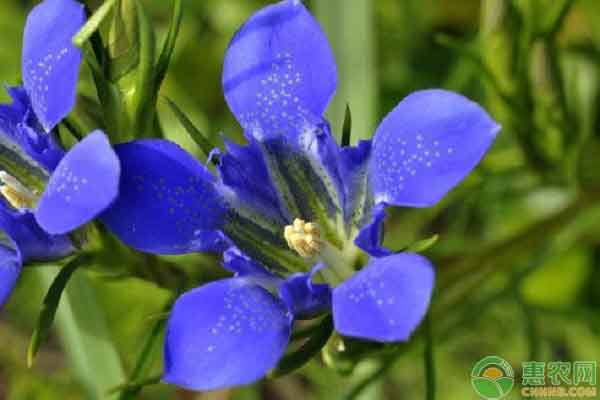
518 257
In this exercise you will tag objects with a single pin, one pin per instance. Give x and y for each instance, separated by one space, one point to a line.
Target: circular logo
492 378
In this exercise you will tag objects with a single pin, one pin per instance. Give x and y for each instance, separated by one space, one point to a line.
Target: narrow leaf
84 336
423 245
51 301
167 51
298 358
347 128
135 386
197 136
131 389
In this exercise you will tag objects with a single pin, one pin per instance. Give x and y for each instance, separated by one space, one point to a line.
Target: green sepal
347 127
50 304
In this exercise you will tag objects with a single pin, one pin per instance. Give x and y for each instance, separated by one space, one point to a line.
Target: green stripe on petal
15 161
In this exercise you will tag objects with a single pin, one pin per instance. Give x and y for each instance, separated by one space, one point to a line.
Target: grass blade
82 330
350 30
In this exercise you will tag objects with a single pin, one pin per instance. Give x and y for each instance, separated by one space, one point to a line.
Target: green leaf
82 330
167 51
352 34
134 387
131 389
347 127
197 136
313 345
46 317
422 245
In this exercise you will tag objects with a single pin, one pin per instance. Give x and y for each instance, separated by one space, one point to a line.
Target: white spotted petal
225 333
426 146
386 300
50 61
85 183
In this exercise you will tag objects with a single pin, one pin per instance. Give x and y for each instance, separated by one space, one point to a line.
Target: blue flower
46 192
294 212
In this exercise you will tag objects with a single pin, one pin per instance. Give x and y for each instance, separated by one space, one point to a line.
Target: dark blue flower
295 210
46 192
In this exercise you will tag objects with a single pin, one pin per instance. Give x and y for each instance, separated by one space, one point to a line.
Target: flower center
304 238
16 193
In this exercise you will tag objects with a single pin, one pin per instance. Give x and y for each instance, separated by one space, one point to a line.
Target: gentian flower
295 214
46 192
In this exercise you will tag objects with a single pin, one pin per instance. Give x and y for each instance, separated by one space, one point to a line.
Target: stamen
304 238
15 193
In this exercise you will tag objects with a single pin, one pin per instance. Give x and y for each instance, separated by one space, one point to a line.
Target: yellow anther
304 238
15 193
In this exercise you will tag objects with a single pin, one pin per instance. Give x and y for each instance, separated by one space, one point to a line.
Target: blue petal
83 185
370 236
305 169
50 62
279 69
19 124
353 169
386 300
426 146
10 267
168 202
243 169
226 333
241 265
304 298
34 244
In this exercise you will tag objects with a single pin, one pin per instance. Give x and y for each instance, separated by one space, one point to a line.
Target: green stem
142 364
429 361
